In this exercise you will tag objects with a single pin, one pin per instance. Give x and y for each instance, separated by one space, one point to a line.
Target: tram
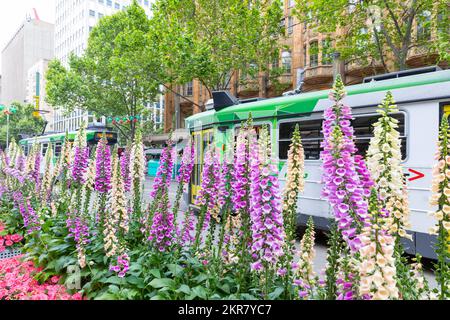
423 99
56 141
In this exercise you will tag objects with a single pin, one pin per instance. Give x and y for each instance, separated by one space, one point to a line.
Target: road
320 247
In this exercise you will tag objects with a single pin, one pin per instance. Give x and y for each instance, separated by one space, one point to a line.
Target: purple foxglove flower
187 164
265 209
103 167
345 176
125 170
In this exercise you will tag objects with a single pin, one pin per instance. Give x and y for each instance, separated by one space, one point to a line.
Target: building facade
32 42
36 92
307 58
74 21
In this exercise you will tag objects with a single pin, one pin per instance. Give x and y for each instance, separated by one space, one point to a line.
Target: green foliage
379 30
333 254
113 77
210 40
20 123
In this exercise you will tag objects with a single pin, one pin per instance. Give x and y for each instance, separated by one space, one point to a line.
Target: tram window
257 129
311 132
44 149
58 148
363 126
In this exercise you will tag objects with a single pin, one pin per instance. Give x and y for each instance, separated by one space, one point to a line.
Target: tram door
202 139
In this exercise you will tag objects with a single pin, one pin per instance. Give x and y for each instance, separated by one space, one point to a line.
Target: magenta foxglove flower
343 186
80 164
36 173
240 183
30 217
78 228
187 164
125 170
103 167
265 211
208 194
162 231
122 266
188 231
164 173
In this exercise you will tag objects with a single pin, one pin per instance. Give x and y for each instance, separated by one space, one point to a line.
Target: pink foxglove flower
162 230
343 187
125 169
265 209
103 167
80 157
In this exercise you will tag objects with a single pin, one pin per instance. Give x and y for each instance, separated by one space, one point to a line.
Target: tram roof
55 137
306 102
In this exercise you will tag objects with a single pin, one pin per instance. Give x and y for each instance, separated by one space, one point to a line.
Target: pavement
320 247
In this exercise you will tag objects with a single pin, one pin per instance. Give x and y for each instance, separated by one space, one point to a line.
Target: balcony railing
358 70
420 56
249 85
318 74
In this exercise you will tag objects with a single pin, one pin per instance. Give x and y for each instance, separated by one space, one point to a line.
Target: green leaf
155 272
184 289
200 292
106 296
139 282
276 293
113 289
175 269
201 278
114 280
161 283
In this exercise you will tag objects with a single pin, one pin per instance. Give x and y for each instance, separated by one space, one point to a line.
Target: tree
380 30
211 40
112 78
21 124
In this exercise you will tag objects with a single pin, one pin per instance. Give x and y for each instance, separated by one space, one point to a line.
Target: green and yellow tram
422 100
56 140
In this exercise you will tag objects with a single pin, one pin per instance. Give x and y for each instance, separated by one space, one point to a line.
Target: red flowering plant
8 240
17 282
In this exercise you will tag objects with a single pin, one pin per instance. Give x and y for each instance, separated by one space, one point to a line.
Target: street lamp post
7 130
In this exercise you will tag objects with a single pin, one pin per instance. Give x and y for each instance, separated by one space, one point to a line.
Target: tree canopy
380 30
209 40
22 124
113 77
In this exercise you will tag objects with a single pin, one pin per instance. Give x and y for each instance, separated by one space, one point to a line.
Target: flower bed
17 282
86 214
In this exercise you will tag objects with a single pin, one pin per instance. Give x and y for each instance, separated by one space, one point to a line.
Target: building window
327 52
305 54
276 63
313 54
290 28
423 26
286 61
92 13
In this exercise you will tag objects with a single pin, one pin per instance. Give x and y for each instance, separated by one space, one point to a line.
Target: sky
13 13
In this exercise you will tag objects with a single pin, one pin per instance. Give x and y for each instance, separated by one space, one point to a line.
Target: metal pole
7 130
